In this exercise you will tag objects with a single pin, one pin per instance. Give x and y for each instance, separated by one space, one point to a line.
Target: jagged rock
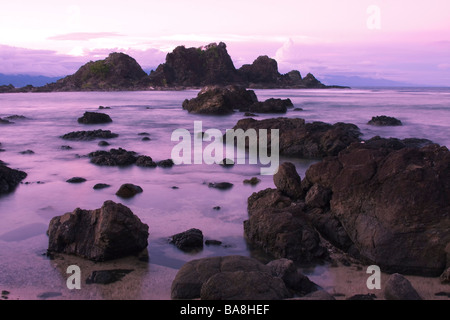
111 232
305 140
89 135
145 161
220 100
94 118
114 157
189 240
10 178
384 121
288 181
252 181
263 70
167 163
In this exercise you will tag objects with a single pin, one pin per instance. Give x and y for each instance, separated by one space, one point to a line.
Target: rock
107 276
145 139
397 287
4 121
243 285
76 180
16 117
27 152
384 121
213 242
288 181
103 143
297 138
445 276
217 208
168 163
252 181
114 157
368 296
102 107
220 100
145 161
226 163
94 118
192 275
297 109
117 72
143 134
99 186
190 240
263 70
318 197
391 198
128 190
111 232
270 106
89 135
294 279
66 148
220 185
311 82
10 178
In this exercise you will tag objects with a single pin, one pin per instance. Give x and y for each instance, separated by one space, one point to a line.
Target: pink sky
393 39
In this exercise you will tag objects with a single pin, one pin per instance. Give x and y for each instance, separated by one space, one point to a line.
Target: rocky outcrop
111 232
117 72
10 178
391 197
384 121
220 100
189 240
114 157
128 190
89 135
305 140
94 118
288 181
239 278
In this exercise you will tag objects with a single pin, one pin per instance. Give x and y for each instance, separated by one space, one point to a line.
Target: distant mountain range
22 80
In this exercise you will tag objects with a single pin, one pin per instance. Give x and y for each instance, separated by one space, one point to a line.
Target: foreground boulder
111 232
94 118
306 140
392 198
10 178
220 100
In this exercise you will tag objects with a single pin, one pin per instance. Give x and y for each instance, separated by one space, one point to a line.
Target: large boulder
10 178
220 100
305 140
94 118
263 70
111 232
195 274
397 287
287 180
189 240
392 198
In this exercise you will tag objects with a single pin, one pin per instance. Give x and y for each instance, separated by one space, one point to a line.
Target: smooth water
25 213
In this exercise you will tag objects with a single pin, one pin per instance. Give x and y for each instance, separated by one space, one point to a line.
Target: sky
398 40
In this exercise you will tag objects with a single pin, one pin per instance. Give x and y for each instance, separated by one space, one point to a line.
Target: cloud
84 36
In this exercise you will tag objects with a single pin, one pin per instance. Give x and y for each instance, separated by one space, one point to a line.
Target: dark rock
305 140
227 163
252 181
94 118
128 190
16 117
368 296
392 201
89 135
145 139
220 185
76 180
292 277
298 109
263 70
111 232
220 100
288 181
143 134
311 82
397 287
145 161
99 186
213 242
168 163
243 285
66 148
103 143
192 275
270 106
4 121
190 240
102 107
318 196
114 157
10 178
217 208
27 152
384 121
107 276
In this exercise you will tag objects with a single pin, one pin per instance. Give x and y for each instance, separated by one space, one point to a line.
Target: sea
173 199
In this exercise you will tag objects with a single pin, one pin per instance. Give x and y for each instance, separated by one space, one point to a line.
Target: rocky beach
87 178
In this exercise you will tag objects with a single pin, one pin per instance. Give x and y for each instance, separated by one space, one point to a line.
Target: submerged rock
111 232
220 185
99 186
168 163
270 106
384 121
128 190
94 118
76 180
89 135
145 161
114 157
